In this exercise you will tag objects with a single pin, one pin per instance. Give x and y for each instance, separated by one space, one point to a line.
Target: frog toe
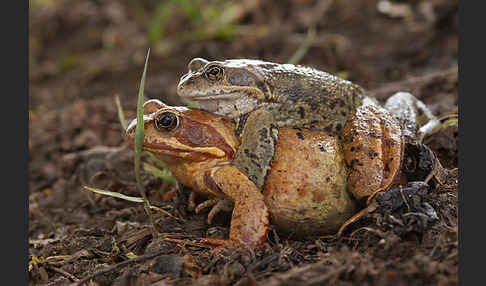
217 205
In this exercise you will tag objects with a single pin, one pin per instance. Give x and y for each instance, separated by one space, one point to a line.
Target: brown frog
316 182
263 96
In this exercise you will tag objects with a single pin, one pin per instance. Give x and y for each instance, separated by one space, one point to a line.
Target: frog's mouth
231 104
213 96
212 102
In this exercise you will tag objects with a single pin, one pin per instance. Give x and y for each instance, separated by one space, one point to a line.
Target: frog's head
229 88
179 132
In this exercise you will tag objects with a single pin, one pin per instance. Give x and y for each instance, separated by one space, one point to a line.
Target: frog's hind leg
415 117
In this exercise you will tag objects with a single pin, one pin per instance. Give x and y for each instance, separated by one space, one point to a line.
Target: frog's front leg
250 218
416 119
258 139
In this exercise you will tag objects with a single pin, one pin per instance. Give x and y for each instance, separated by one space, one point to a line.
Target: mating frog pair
311 178
263 96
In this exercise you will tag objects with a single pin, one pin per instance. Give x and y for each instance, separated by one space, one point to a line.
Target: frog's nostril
180 86
183 83
185 76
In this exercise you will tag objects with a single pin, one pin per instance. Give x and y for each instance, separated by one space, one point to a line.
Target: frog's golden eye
214 73
166 121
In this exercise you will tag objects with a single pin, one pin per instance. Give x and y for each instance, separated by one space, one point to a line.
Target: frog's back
306 97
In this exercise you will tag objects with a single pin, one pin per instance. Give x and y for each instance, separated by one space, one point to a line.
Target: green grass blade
190 103
450 122
302 49
115 194
161 173
158 163
139 136
139 131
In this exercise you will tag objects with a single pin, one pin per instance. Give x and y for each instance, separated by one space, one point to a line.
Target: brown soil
84 52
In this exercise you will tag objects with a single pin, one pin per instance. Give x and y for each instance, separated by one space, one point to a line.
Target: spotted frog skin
263 96
317 182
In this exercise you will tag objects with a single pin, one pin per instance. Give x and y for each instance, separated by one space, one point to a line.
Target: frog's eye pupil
166 121
214 73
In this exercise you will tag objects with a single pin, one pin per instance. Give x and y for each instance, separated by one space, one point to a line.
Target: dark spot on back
325 92
263 133
332 104
301 112
241 124
250 155
355 162
255 162
261 86
328 129
300 135
372 154
339 127
294 93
